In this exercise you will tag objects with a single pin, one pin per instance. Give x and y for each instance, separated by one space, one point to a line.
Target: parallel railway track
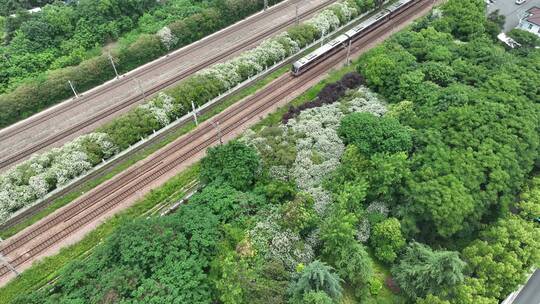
164 162
154 89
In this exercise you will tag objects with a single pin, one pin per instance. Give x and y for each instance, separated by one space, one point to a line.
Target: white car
519 2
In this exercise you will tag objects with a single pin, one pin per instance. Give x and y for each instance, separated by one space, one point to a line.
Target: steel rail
137 178
139 97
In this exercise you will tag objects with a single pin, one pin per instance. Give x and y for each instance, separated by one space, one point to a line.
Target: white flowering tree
34 178
162 107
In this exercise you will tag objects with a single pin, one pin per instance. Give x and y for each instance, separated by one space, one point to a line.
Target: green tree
298 214
317 276
233 163
504 255
525 38
372 134
337 231
529 205
354 265
316 297
423 271
431 299
386 239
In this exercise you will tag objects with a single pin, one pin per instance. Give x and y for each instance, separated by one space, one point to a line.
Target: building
531 22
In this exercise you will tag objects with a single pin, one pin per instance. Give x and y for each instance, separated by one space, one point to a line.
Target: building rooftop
534 15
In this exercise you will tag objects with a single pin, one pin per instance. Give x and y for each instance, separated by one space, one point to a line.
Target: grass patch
47 269
385 295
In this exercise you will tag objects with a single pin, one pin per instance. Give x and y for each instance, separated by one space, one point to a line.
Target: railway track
164 162
246 44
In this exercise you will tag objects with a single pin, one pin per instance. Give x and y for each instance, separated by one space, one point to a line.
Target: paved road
512 11
530 294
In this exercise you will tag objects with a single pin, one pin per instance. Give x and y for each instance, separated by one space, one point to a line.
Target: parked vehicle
520 2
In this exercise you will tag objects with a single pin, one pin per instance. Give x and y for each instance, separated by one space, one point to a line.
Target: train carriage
318 55
351 35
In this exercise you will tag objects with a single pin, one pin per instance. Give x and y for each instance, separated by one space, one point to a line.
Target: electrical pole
218 128
265 4
73 89
114 67
296 19
348 53
194 113
6 262
322 38
138 81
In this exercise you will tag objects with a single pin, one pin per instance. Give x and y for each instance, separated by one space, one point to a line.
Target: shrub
375 286
372 134
331 92
233 163
352 80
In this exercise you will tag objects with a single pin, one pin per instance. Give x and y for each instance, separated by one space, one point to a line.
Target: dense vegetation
33 179
314 210
72 41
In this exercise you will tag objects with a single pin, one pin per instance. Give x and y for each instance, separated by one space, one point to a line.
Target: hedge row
52 88
23 184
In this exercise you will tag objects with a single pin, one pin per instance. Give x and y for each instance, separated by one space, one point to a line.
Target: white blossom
378 207
325 22
322 198
161 107
166 37
364 231
279 173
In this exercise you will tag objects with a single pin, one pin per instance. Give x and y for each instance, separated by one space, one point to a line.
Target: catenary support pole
73 89
348 53
114 67
194 113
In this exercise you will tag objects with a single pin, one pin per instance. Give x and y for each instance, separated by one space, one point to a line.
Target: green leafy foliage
387 240
147 261
474 118
316 297
423 271
372 134
504 255
315 277
62 42
233 163
526 39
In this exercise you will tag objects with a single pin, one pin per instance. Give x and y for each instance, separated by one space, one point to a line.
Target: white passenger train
313 58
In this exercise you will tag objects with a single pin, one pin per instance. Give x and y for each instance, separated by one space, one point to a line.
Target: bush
331 92
526 39
386 239
233 163
372 134
375 286
145 49
352 80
